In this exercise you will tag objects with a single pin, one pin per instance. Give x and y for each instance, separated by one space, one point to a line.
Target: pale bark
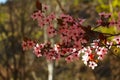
49 63
50 70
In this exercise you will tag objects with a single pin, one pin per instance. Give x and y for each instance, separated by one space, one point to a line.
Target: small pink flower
69 59
85 58
101 56
75 56
102 14
92 64
51 31
34 16
41 24
88 50
109 44
37 49
112 23
30 44
24 45
101 52
47 20
105 15
117 40
95 43
39 14
99 22
52 16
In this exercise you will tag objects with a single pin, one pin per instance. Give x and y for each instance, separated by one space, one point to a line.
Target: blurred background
16 23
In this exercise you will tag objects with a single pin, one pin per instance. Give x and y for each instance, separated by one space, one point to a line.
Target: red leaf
60 21
38 5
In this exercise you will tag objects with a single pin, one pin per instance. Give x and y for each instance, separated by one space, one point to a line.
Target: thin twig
107 34
62 9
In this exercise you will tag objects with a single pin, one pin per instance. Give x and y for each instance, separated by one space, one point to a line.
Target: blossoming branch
75 39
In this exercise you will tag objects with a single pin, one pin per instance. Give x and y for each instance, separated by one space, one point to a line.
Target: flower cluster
52 53
42 18
71 32
27 44
37 49
106 21
90 54
93 53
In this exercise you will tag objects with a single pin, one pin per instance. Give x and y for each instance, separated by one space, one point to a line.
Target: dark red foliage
38 5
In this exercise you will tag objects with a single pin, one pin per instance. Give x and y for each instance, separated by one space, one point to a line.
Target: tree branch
62 9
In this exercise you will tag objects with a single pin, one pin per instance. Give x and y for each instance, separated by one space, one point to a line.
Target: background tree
15 24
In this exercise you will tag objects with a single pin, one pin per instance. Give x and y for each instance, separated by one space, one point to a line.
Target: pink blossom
51 31
74 50
109 44
37 49
85 58
95 43
101 52
30 44
99 22
88 50
92 64
24 45
75 56
112 23
102 14
52 16
34 16
37 15
105 15
69 59
117 40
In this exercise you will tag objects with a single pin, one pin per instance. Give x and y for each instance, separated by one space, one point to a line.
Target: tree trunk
50 70
49 63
